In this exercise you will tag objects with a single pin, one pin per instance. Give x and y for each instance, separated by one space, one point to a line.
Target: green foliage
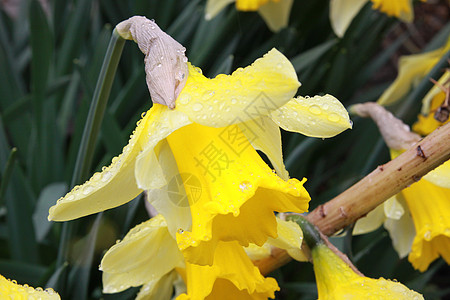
49 64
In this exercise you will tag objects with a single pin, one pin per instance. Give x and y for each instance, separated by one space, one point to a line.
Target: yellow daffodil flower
417 221
274 12
417 217
429 206
336 280
290 238
412 69
208 143
149 256
11 290
342 12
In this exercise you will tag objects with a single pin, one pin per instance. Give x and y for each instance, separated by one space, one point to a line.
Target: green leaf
47 198
22 272
309 57
80 274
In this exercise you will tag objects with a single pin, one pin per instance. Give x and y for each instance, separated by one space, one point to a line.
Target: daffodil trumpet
338 279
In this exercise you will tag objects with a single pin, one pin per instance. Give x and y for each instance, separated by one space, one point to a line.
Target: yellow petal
412 69
440 176
246 94
11 290
116 184
255 252
336 280
238 188
342 13
319 116
230 264
290 237
224 289
429 205
264 135
159 288
138 258
149 174
371 221
171 200
393 209
402 9
112 187
429 102
276 14
251 5
213 7
401 230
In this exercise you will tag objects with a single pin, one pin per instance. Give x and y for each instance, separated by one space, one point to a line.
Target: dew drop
159 65
197 107
233 101
87 190
427 235
106 176
184 99
315 110
279 65
245 186
333 117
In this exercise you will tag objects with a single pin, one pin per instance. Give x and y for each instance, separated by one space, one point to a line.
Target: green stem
311 234
7 174
91 130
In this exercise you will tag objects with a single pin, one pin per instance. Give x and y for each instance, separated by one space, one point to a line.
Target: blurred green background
51 53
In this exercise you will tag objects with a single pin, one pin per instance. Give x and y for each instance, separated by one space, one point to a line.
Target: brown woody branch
381 184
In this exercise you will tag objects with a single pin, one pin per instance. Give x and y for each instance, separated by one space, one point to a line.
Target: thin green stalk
7 174
91 129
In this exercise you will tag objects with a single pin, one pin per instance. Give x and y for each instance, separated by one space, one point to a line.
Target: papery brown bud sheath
165 63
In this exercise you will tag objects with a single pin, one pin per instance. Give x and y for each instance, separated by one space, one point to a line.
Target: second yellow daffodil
274 12
342 12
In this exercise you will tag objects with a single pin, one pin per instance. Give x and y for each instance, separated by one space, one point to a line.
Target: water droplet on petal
427 235
233 101
197 107
333 117
315 110
88 189
245 186
184 99
106 176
